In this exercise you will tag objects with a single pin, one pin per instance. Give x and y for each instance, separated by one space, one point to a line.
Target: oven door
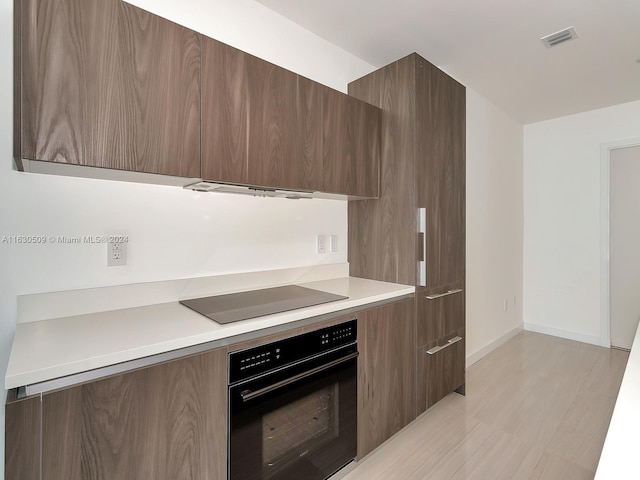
297 423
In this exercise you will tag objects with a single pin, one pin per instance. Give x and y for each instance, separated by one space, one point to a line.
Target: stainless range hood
204 186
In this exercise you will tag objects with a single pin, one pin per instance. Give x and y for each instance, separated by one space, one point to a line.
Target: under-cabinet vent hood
248 190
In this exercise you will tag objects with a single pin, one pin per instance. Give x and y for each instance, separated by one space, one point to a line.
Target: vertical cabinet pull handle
422 236
450 342
440 295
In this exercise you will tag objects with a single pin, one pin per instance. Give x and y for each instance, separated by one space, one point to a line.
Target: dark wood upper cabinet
106 84
225 112
102 83
266 126
309 128
274 153
351 145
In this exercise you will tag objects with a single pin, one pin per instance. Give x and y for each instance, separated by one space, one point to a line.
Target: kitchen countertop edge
52 349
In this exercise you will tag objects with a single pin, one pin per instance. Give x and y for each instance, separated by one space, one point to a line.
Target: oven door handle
247 395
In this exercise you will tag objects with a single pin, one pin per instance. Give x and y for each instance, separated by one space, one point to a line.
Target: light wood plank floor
538 407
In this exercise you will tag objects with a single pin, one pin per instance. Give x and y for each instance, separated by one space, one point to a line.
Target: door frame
605 235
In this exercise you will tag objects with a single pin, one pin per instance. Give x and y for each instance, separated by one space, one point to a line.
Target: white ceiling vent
559 37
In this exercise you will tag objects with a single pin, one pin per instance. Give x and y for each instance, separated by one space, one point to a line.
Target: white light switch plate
321 243
333 243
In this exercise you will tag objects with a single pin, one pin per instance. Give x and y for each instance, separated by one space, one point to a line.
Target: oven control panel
246 364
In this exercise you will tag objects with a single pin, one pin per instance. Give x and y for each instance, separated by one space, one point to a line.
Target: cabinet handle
440 295
450 342
422 236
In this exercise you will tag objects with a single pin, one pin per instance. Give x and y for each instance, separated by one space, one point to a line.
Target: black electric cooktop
234 307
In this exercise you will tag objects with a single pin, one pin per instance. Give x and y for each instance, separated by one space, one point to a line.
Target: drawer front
440 312
441 369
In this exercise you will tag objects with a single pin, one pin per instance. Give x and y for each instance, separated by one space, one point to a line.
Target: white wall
494 226
623 247
174 233
562 228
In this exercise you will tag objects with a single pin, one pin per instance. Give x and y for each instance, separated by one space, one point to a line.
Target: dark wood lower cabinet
440 373
22 438
163 422
386 373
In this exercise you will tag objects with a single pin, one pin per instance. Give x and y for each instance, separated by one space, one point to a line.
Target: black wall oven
292 406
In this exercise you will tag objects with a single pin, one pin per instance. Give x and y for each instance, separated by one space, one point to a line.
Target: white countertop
619 454
48 349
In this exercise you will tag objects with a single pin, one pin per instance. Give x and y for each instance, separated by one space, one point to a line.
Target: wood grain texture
441 373
107 84
440 150
422 165
441 316
382 232
273 157
22 439
225 112
336 149
310 111
17 83
366 124
351 145
386 373
162 422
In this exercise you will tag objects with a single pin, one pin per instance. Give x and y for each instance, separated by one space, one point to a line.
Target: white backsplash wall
173 233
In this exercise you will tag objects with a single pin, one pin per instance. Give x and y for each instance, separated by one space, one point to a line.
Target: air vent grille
559 37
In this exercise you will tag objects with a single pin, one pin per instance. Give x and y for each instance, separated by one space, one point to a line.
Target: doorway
624 245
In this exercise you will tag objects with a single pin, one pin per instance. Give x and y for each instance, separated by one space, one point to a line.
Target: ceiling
493 46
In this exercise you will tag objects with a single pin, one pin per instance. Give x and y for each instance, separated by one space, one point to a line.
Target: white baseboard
568 334
477 355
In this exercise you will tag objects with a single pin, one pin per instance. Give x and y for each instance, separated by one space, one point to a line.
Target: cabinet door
440 156
382 232
225 110
440 311
22 438
351 145
106 84
386 373
163 422
441 372
309 125
273 158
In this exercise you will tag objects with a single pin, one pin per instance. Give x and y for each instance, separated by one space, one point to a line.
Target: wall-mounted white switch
321 243
333 243
506 304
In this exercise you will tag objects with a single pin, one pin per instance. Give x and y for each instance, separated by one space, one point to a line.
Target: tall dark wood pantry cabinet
422 167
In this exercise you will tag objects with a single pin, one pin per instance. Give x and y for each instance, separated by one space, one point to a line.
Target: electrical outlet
321 243
116 254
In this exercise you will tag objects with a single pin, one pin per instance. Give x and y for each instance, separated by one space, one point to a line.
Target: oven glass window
299 426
